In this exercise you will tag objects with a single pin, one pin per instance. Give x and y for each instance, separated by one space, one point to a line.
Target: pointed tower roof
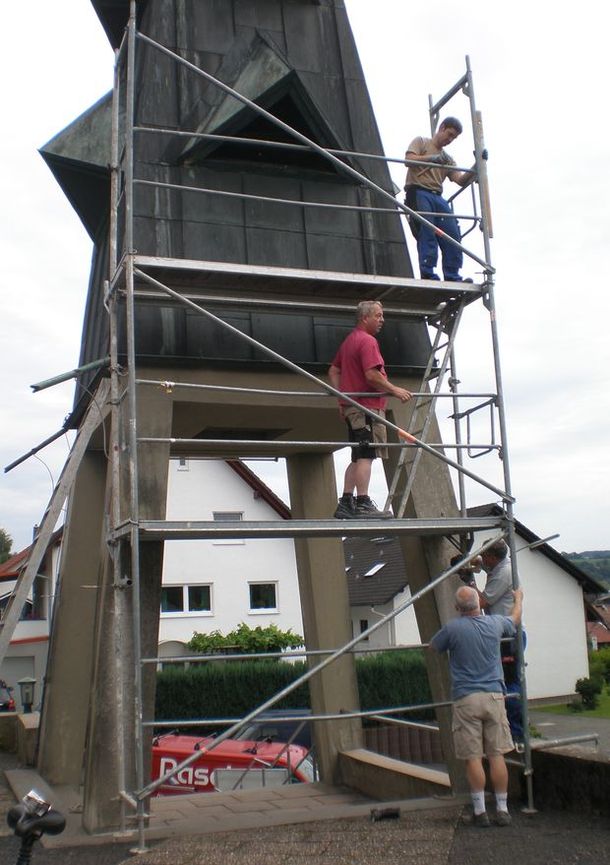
79 157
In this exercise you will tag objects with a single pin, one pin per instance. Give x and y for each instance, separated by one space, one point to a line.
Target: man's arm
517 607
439 642
380 382
334 376
483 602
462 178
412 156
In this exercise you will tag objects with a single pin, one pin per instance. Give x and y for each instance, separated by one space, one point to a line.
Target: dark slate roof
375 570
114 15
79 157
297 60
588 583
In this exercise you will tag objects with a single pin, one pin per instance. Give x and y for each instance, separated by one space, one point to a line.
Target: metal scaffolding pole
128 407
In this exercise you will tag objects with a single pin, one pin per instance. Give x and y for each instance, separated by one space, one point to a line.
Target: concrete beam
70 660
325 608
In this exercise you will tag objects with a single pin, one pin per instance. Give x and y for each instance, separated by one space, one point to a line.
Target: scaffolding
135 278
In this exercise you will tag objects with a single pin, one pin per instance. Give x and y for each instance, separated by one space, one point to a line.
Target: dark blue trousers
428 241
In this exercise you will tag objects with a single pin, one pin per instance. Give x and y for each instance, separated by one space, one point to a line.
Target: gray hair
466 599
365 308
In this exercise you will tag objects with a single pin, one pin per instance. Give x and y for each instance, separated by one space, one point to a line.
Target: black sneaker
366 509
346 510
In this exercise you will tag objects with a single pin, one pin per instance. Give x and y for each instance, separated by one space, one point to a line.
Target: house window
26 611
186 599
172 599
228 516
364 626
374 569
199 600
263 597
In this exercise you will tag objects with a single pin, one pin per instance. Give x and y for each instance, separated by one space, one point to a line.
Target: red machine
249 758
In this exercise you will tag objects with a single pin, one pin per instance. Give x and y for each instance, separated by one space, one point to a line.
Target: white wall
554 621
26 656
194 492
402 630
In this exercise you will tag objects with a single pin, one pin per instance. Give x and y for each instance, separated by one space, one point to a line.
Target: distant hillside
596 563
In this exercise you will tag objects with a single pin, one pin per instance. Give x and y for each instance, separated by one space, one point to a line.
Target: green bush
599 664
589 690
232 689
394 679
245 639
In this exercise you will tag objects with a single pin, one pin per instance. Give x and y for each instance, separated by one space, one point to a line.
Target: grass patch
602 711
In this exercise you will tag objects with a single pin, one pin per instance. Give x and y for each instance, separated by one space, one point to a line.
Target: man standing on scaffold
358 367
424 189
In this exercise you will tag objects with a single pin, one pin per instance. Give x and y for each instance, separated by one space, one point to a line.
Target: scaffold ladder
423 411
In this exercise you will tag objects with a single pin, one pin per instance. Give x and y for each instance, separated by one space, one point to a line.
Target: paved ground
559 726
420 838
428 837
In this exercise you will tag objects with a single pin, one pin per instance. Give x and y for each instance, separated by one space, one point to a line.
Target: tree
6 542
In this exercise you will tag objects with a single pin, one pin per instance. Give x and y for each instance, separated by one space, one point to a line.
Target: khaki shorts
363 429
480 727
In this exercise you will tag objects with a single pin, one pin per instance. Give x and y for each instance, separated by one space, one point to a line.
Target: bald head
467 601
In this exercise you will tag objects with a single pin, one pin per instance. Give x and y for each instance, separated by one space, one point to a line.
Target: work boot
346 509
481 821
503 818
366 509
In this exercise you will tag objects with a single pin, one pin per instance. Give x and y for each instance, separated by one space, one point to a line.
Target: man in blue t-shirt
480 727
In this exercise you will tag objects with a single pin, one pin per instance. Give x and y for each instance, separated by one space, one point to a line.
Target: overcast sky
540 81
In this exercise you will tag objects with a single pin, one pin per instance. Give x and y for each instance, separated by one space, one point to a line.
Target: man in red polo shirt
358 368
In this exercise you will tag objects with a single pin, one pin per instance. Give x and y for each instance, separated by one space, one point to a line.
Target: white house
554 616
26 657
211 585
255 580
554 604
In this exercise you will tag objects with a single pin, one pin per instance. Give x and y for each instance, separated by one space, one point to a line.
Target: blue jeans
512 679
428 241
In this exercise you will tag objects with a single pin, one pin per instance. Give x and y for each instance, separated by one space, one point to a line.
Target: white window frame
185 612
263 611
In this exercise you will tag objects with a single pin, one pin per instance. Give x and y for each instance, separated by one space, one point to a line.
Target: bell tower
240 207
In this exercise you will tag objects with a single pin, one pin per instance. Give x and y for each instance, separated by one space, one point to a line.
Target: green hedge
230 689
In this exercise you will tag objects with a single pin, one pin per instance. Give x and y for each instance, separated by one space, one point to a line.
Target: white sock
478 801
501 801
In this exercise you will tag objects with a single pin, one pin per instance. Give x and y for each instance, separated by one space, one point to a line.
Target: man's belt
423 189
